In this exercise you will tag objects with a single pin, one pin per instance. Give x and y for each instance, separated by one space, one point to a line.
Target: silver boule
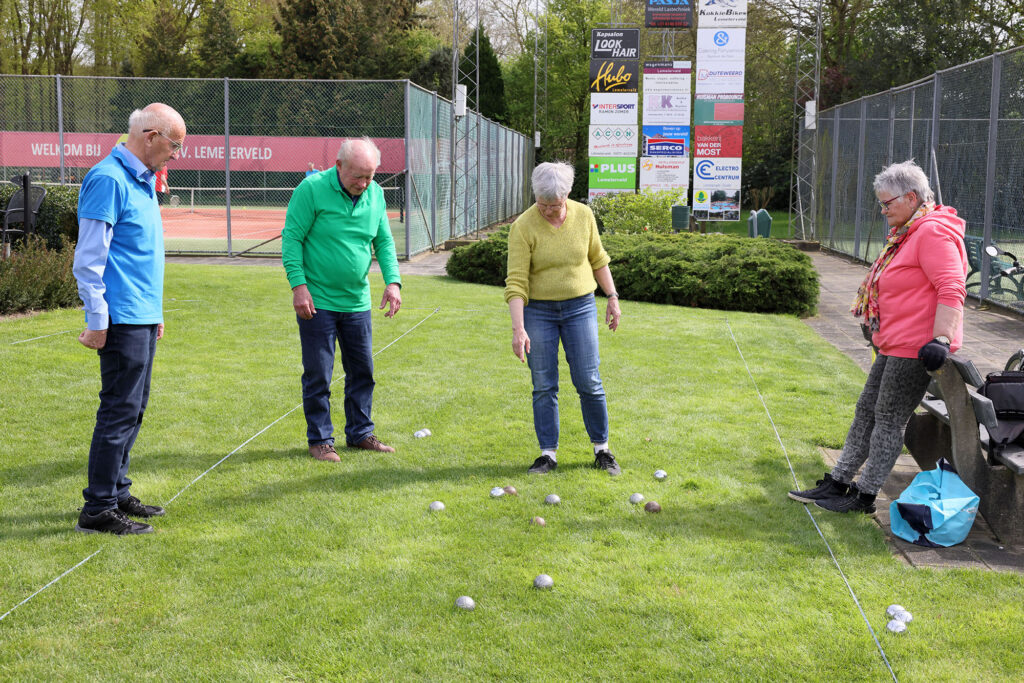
543 581
497 492
896 626
660 474
636 498
552 499
420 433
891 610
465 602
904 616
436 506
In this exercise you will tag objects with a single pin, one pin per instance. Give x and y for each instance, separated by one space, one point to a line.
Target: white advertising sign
667 109
616 108
666 77
664 173
721 46
721 81
613 141
721 13
717 173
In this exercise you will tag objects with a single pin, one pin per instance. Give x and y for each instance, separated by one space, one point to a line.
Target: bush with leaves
626 212
36 277
58 215
704 271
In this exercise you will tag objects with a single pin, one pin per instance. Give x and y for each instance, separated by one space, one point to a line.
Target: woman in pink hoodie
911 302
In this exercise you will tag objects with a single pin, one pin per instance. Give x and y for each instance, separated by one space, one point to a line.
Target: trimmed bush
627 212
703 271
58 215
36 277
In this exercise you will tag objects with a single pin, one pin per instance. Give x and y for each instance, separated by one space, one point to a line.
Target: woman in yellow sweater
555 261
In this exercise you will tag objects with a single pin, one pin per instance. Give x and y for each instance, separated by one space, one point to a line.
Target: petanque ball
636 498
539 521
511 490
465 602
497 492
543 581
552 499
436 506
652 506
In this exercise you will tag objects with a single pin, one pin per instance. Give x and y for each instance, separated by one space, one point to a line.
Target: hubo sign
615 43
614 75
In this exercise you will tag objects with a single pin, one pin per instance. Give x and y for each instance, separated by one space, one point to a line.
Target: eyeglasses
176 146
887 202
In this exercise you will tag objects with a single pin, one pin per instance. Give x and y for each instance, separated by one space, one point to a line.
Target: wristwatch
943 339
613 295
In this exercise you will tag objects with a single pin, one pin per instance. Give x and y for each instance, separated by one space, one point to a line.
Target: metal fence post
407 174
433 166
913 116
933 163
832 192
860 176
60 126
227 163
990 170
892 127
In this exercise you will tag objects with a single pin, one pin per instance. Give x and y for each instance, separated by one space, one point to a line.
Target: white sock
600 447
550 453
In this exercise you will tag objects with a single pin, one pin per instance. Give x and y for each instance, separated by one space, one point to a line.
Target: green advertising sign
612 173
717 112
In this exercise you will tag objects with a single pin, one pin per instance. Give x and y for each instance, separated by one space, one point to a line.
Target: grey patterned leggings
894 388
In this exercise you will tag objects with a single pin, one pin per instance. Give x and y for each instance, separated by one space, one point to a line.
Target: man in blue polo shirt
119 265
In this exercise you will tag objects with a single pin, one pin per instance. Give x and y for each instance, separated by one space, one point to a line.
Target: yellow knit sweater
553 264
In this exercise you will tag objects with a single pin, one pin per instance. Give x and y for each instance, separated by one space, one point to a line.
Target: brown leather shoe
325 452
372 443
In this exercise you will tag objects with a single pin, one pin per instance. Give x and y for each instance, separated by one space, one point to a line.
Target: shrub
631 213
36 277
705 271
58 215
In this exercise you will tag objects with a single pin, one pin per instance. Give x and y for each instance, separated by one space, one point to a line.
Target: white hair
552 180
900 178
349 147
141 120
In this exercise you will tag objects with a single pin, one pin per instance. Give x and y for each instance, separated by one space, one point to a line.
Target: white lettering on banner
618 168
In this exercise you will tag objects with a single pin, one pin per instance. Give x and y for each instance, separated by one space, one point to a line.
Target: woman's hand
520 343
613 313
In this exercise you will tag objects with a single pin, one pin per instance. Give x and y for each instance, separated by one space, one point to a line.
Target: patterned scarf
865 304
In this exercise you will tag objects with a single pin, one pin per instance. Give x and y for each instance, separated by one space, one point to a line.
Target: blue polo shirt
119 258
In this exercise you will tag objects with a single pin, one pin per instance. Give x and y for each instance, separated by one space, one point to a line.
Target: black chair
15 211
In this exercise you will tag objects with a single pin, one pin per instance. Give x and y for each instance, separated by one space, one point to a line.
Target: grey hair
349 146
552 180
903 177
141 120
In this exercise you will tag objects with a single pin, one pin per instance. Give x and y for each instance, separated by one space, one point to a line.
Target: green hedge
36 277
705 271
58 215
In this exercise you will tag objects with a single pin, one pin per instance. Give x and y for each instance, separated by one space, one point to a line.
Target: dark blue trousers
353 333
126 367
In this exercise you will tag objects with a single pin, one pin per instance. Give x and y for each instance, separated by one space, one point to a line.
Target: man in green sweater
333 218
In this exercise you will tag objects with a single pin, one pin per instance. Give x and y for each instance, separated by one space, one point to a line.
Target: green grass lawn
274 566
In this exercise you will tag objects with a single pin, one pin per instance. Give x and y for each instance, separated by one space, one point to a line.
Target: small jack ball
538 521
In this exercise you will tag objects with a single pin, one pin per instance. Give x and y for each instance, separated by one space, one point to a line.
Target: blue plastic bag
936 510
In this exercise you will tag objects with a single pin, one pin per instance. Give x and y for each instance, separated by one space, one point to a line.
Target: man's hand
392 298
613 313
93 339
302 301
159 331
520 344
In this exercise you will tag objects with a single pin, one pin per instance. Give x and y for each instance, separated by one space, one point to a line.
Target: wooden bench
955 425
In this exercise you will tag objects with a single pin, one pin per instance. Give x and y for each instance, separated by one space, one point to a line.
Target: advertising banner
721 13
717 141
668 14
667 109
721 46
720 81
613 108
612 173
718 110
593 194
665 173
613 141
614 75
666 141
716 189
618 43
666 77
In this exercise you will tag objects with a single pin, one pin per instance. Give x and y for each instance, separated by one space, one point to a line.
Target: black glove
933 354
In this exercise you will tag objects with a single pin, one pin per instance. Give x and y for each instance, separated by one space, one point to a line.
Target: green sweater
325 243
553 264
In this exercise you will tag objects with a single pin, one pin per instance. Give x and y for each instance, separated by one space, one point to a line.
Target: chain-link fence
965 127
250 142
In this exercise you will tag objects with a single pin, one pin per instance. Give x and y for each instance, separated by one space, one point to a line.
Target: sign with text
614 75
666 109
717 141
718 110
613 108
720 81
612 173
719 46
593 194
668 14
716 189
665 173
721 13
666 141
666 77
613 141
619 43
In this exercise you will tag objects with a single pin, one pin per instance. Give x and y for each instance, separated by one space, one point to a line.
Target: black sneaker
854 501
606 461
827 487
111 521
542 465
135 508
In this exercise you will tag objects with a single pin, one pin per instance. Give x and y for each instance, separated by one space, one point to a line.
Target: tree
162 47
435 72
492 86
218 42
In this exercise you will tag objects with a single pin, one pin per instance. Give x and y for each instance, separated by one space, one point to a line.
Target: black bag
1006 391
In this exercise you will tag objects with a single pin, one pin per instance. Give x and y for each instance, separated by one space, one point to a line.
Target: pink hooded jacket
929 268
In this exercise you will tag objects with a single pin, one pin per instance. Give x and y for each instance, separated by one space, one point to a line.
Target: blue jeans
126 367
354 335
574 322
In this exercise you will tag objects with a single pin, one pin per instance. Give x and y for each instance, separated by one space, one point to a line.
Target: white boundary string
807 509
389 345
42 337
